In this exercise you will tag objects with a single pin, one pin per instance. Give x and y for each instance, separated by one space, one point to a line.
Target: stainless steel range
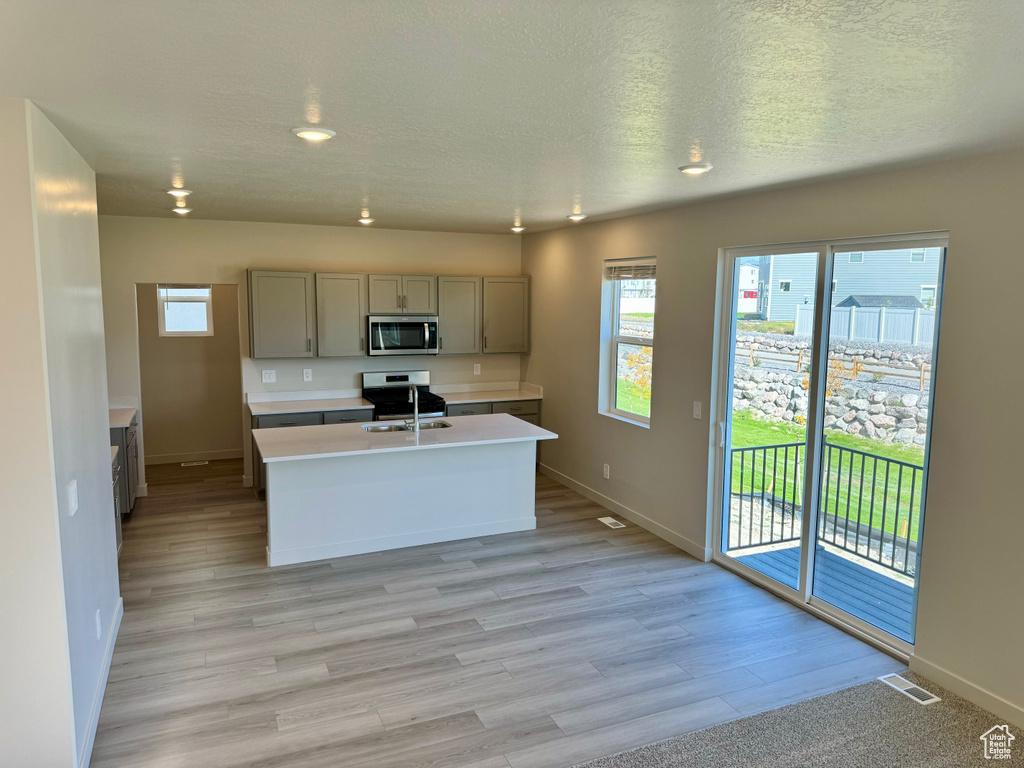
392 396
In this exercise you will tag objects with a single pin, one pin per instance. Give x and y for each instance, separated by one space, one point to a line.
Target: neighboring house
881 300
746 289
790 279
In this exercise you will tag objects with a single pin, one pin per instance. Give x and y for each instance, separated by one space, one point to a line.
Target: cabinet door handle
485 342
440 342
361 343
309 345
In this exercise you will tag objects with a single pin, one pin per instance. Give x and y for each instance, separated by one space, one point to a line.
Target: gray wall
970 624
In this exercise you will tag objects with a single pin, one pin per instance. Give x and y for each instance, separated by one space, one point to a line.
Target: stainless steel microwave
403 334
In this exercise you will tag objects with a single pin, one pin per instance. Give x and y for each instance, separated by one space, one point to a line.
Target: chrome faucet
414 398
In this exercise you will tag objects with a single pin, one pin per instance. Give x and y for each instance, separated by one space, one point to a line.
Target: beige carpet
867 726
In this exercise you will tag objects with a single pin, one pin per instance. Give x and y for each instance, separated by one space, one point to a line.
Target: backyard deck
862 592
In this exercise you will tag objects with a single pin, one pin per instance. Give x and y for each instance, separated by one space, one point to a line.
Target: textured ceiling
452 115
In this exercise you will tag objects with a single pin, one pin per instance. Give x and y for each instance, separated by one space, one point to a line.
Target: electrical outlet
72 497
696 409
99 625
476 369
307 374
270 377
607 472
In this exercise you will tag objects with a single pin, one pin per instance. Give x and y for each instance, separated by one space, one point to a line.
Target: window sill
627 419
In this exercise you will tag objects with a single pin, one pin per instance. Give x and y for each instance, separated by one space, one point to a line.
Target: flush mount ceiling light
313 134
696 169
576 216
366 217
180 194
182 211
518 228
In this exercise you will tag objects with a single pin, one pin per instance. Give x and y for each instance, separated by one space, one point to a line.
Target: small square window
857 258
917 256
785 285
184 310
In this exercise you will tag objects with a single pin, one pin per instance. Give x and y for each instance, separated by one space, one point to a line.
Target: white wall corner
997 705
672 537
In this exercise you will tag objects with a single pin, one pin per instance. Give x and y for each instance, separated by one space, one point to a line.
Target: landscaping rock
870 430
829 421
911 400
905 436
908 424
877 408
881 420
879 397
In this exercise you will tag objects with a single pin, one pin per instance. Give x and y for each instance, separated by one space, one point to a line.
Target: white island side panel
320 508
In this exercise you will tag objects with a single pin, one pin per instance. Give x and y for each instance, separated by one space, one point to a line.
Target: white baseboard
685 544
344 549
97 703
177 458
247 481
984 698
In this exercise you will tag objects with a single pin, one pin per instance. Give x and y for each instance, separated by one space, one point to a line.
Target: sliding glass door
765 431
827 375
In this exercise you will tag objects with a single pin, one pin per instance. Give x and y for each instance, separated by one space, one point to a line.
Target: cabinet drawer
518 407
533 418
348 417
290 420
469 409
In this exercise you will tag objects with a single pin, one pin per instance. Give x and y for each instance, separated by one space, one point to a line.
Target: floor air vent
611 522
193 463
904 686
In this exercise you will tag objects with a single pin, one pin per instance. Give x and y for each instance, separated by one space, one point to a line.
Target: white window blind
630 269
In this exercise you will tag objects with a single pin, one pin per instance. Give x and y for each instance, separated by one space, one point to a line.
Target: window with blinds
632 288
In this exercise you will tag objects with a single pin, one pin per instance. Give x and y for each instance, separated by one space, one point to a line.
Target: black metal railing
870 506
765 505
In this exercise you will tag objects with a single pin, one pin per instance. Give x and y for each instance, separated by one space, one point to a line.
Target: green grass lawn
766 326
632 399
843 493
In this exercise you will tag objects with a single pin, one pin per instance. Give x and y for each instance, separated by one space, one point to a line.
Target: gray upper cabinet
420 292
506 314
385 294
281 314
459 302
403 294
340 314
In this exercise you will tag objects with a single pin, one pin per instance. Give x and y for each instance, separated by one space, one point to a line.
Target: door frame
721 409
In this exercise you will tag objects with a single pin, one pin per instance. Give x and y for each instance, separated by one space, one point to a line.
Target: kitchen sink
434 425
385 427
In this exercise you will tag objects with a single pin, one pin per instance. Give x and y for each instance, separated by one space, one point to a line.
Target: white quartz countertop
309 406
330 440
121 417
494 396
113 454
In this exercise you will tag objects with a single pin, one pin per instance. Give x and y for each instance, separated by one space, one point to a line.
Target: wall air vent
611 522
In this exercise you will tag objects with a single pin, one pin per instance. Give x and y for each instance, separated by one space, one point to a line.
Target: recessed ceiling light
182 210
313 134
518 229
576 216
179 193
696 169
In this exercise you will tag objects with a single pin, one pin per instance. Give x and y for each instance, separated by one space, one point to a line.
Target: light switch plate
307 374
696 409
72 498
476 369
607 472
270 377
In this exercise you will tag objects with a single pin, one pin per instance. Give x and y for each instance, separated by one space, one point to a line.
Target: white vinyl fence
903 326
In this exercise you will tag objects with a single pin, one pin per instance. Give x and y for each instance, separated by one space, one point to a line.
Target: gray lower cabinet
348 417
282 314
527 410
128 461
459 315
506 314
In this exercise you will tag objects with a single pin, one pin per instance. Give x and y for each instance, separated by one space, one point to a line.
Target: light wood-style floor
535 649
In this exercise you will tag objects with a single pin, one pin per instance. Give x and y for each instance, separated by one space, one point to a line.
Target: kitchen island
339 489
